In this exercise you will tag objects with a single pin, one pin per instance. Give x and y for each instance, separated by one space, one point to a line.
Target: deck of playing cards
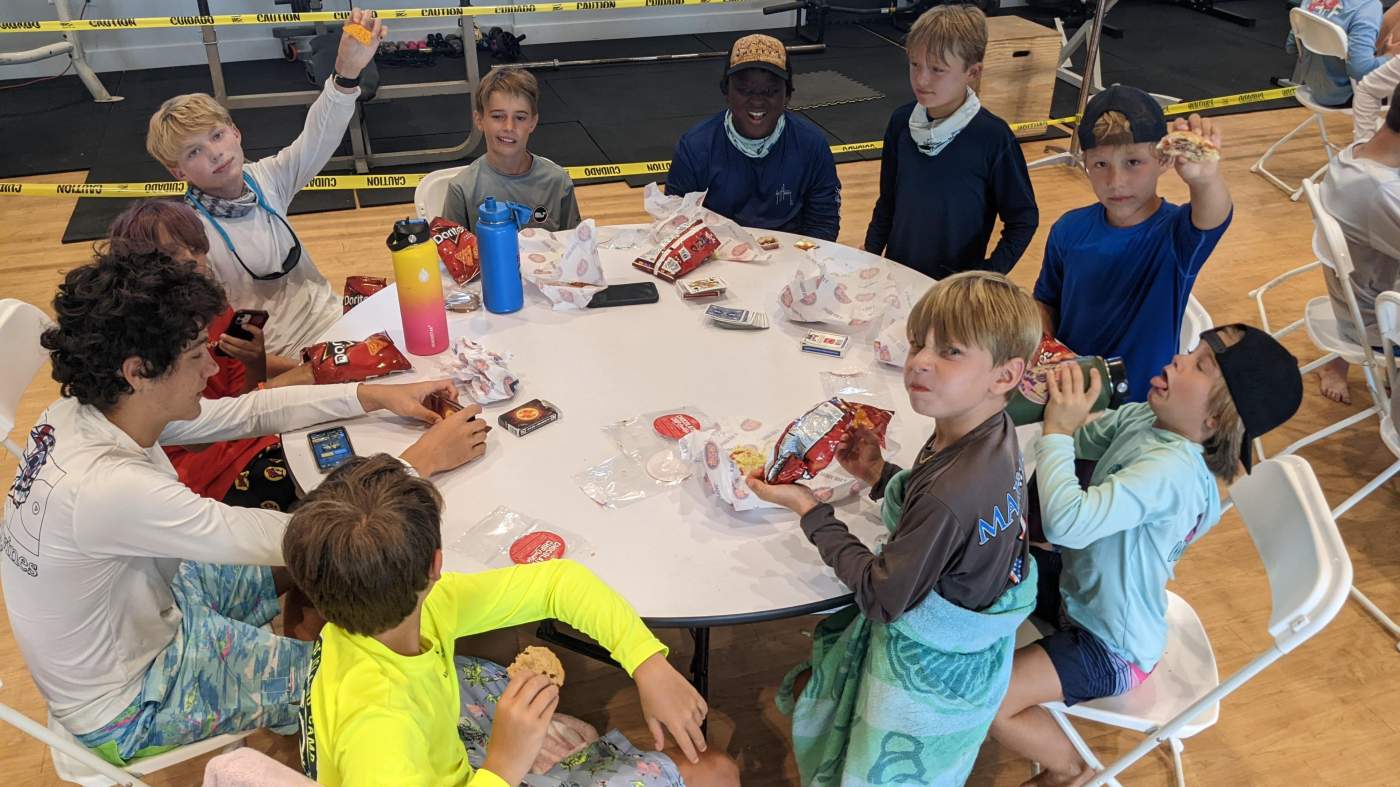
702 289
726 317
528 417
823 343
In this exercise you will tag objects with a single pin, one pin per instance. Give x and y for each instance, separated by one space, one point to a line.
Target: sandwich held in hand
1188 145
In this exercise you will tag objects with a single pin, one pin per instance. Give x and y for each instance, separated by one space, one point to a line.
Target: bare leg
715 768
1332 381
1024 727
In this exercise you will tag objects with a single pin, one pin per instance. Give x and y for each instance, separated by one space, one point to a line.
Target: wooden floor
1327 714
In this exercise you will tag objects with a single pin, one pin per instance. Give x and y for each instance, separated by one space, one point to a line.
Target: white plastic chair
1194 322
1388 323
1309 573
1323 39
21 357
76 764
1329 243
431 193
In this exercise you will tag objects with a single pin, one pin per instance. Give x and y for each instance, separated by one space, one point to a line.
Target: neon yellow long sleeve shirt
377 717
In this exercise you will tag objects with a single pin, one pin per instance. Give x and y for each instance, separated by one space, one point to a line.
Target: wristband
346 82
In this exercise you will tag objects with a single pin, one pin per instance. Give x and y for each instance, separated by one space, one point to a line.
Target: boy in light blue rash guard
1152 494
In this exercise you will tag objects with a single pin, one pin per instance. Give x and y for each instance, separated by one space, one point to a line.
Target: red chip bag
691 245
809 443
456 246
357 288
1035 382
353 362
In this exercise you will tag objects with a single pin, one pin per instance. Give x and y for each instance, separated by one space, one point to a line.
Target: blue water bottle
498 239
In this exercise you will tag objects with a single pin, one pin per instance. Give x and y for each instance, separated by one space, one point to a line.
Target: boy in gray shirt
507 111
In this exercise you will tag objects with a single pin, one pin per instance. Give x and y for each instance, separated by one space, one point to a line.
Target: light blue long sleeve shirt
1328 78
1149 498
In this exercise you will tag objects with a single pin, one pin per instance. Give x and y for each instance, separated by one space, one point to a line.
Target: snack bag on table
353 362
357 288
671 213
456 246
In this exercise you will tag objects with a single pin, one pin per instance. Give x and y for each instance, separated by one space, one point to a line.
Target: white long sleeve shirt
95 529
301 306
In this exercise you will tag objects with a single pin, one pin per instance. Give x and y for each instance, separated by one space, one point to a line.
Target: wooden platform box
1018 74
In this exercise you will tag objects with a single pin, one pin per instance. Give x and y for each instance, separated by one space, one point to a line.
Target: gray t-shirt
546 189
1363 195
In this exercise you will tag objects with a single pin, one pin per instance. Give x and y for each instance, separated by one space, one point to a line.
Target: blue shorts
1088 669
224 671
610 761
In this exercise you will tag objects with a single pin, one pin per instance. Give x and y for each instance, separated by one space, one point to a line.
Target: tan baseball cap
759 51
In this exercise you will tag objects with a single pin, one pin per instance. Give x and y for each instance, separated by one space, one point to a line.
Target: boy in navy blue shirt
761 165
1117 274
949 167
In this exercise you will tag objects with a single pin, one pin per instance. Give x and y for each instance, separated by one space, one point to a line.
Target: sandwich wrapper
892 342
840 286
675 213
724 455
483 374
563 266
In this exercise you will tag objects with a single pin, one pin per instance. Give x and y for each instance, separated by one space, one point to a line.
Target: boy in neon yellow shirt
389 704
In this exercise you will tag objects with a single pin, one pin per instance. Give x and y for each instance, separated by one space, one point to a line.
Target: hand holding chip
358 43
794 497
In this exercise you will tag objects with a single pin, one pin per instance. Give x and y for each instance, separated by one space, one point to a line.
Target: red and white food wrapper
725 454
840 286
1035 382
568 278
457 249
506 537
353 362
808 444
357 288
681 252
481 373
671 213
892 342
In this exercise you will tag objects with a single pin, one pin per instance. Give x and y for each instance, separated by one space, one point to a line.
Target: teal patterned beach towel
907 702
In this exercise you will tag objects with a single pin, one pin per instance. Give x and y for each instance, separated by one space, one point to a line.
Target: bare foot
1049 778
1332 381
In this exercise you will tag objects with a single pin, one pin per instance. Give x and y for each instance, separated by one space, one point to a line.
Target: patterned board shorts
224 671
610 761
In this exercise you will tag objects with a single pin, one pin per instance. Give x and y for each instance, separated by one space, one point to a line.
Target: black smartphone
624 295
331 447
237 327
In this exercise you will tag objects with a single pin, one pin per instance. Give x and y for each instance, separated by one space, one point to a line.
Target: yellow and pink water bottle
420 287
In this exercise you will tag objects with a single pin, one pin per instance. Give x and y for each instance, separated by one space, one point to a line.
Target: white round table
681 558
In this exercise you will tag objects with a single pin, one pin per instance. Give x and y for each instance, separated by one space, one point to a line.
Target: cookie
537 660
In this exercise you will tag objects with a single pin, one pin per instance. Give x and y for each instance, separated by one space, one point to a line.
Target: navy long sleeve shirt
935 214
793 189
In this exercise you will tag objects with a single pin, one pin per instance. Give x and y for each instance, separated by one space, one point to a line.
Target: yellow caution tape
154 22
590 172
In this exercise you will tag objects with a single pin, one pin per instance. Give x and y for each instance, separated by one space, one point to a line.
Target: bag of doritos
456 247
357 288
353 362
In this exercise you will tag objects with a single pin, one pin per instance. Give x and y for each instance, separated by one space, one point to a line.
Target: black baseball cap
1262 377
1144 115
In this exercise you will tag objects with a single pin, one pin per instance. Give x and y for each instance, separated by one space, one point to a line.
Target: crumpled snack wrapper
352 362
569 274
840 286
892 342
726 454
673 213
1049 354
481 373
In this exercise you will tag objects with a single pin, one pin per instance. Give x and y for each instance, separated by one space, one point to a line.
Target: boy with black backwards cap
1152 494
1117 275
762 166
